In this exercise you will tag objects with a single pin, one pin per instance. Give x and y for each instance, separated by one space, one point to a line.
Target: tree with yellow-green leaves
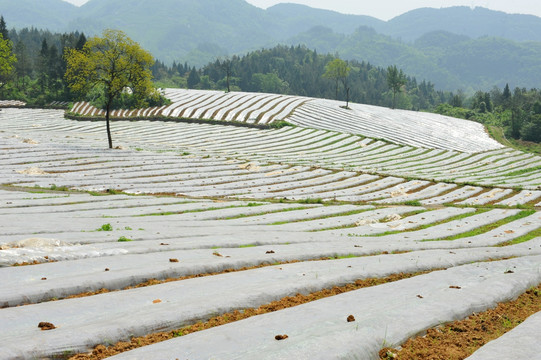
112 63
7 60
338 70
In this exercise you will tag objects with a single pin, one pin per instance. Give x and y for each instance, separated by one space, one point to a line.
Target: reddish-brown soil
460 339
102 352
35 262
46 326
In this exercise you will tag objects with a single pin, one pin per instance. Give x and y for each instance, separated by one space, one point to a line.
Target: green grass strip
426 226
383 220
523 171
486 228
241 216
521 239
168 213
326 216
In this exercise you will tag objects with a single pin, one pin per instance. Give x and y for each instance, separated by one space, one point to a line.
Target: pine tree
506 96
43 66
488 102
3 29
80 42
22 66
193 78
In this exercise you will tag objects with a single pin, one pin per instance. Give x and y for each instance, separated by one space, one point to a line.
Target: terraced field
186 223
402 127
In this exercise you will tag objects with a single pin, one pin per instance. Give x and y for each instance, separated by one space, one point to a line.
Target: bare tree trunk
107 111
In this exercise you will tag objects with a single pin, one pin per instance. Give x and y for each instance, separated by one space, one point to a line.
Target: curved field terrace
399 126
321 241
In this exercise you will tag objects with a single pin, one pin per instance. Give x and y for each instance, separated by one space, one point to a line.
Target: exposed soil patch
32 171
460 339
102 352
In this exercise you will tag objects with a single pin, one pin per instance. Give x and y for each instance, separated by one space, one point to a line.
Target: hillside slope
45 14
463 20
448 60
399 126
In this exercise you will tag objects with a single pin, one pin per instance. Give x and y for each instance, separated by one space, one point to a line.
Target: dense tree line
37 77
38 74
297 70
517 111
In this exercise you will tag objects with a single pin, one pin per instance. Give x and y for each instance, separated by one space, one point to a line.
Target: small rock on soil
46 326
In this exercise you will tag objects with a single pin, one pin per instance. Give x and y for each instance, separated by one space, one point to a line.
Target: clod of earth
351 318
173 260
157 301
46 326
454 287
106 269
386 353
43 278
281 337
270 252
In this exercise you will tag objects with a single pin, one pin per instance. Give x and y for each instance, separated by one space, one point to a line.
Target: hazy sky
387 9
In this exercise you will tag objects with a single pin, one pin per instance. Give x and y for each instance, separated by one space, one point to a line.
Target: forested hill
462 20
278 22
297 70
454 48
42 14
450 61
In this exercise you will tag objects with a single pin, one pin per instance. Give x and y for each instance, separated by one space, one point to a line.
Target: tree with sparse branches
396 80
111 63
338 70
227 66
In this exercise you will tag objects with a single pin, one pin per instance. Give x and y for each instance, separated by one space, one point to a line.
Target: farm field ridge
185 221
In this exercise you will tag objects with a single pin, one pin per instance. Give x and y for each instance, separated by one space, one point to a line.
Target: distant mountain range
456 47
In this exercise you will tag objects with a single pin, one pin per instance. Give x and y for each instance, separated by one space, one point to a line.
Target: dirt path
460 339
